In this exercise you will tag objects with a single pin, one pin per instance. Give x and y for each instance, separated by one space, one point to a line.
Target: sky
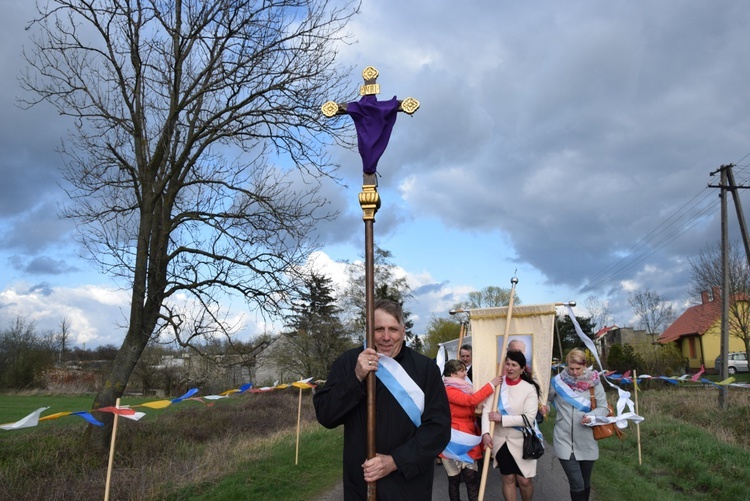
568 144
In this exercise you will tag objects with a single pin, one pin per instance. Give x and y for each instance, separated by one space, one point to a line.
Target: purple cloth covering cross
374 121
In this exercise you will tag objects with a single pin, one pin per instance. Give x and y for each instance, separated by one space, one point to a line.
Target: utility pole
723 391
726 185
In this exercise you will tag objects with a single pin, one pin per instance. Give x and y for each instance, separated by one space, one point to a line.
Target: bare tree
705 271
599 310
25 354
706 275
63 337
653 311
180 109
489 297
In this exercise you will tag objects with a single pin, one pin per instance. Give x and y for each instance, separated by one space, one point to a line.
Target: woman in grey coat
574 442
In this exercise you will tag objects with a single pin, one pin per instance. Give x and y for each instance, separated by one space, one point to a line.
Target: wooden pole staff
369 200
488 450
463 321
461 334
299 418
111 453
637 425
559 345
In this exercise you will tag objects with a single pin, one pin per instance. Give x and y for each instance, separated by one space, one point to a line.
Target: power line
606 274
696 210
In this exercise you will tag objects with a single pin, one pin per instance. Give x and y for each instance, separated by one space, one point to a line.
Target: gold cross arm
370 75
332 108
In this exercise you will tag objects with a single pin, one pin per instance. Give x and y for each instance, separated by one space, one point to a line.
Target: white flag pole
299 418
637 423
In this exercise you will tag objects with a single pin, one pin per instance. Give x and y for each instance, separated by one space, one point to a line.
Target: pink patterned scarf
461 384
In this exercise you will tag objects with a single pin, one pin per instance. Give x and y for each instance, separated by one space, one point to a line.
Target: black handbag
533 448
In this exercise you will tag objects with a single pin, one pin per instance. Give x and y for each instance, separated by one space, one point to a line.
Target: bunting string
130 412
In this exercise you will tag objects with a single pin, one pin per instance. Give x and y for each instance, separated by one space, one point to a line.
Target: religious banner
531 331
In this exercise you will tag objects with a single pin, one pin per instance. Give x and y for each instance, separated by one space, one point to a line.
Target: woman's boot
454 484
471 479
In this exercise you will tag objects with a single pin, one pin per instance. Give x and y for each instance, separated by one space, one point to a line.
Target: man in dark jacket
410 430
464 354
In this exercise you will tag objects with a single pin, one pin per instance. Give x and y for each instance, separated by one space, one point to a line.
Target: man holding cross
413 415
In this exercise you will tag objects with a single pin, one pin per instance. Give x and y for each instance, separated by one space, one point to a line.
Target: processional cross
374 121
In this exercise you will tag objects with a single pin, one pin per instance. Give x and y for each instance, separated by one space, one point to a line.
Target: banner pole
461 334
369 201
496 395
111 453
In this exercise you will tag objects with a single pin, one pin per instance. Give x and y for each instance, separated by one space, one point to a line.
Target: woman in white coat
519 396
575 446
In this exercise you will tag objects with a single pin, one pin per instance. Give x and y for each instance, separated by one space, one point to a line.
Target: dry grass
699 406
189 445
194 446
689 449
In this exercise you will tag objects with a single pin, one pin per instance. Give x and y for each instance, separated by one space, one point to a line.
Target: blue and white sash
577 399
623 398
402 387
411 398
503 407
502 402
460 445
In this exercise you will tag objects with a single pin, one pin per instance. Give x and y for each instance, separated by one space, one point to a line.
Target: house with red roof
697 332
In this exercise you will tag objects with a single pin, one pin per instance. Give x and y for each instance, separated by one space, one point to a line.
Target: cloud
43 288
95 313
571 142
46 265
28 137
37 228
574 143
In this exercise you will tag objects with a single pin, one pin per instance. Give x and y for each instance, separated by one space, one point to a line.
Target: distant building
218 373
697 332
609 336
267 372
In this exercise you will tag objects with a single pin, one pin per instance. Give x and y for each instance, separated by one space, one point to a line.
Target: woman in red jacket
463 402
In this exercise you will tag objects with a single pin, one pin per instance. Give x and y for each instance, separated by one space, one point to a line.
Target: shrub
623 358
664 360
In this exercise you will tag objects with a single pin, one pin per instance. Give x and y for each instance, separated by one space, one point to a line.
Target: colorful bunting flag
129 411
304 384
189 394
89 417
698 374
28 422
158 404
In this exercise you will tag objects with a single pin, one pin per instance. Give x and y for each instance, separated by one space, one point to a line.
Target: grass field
239 447
689 449
13 407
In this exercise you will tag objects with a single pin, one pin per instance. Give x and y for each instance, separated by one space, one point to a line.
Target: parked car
737 363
